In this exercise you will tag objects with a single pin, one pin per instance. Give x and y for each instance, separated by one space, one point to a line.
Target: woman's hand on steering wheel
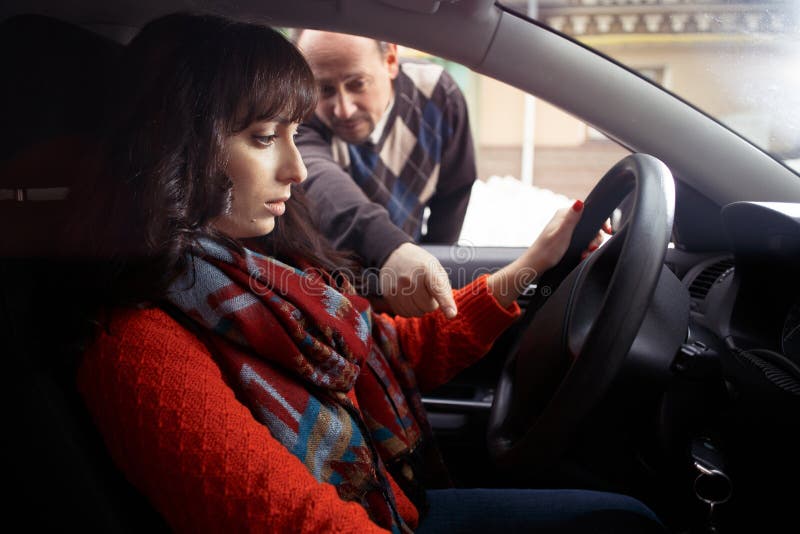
508 283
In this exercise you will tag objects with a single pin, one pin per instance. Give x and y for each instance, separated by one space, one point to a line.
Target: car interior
667 367
55 457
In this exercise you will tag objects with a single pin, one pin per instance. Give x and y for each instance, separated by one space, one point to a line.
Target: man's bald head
297 33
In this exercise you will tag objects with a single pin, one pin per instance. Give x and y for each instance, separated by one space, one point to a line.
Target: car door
459 410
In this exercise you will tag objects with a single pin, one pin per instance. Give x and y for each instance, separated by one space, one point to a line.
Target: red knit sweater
176 430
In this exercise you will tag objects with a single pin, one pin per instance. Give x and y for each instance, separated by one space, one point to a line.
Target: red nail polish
592 248
578 206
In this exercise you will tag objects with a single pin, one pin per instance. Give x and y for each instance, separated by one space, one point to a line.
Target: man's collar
375 136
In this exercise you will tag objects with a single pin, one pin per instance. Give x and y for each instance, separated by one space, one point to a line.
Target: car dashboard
749 299
736 378
723 403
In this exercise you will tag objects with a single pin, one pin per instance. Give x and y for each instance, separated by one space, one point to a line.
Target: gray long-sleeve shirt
371 197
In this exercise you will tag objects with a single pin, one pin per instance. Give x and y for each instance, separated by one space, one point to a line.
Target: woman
239 382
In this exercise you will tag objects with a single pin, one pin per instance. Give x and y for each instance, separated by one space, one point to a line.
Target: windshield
737 60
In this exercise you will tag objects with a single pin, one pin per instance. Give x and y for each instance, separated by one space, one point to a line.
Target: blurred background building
731 58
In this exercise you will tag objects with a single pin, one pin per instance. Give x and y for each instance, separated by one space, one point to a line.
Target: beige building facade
729 58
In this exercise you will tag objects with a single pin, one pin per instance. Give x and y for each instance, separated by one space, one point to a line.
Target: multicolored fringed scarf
292 347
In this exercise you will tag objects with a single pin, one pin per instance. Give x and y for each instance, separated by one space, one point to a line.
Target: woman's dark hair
186 83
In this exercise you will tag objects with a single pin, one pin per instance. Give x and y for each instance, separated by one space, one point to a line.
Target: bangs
274 79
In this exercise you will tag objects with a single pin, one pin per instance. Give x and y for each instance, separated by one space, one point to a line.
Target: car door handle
442 404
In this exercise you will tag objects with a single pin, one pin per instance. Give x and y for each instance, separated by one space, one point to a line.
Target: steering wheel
583 319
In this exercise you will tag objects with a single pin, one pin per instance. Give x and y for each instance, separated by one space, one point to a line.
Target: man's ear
392 60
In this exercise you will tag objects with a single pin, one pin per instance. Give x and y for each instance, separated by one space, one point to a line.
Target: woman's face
263 162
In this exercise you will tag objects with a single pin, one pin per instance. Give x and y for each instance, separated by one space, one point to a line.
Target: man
388 140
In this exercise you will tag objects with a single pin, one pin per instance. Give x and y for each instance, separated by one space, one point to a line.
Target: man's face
355 81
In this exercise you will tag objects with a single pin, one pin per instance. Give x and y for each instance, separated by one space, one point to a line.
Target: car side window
532 158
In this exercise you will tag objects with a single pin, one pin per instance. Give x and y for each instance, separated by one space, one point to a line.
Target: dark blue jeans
536 510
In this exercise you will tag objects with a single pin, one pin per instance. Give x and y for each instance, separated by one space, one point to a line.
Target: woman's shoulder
145 325
140 356
143 335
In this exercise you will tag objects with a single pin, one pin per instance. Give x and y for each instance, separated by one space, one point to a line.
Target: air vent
701 285
777 376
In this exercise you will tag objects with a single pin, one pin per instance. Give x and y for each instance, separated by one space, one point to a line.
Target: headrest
55 74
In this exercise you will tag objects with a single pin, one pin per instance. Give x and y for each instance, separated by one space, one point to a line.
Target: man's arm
411 280
457 172
349 219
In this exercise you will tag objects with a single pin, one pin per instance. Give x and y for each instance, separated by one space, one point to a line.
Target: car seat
60 473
